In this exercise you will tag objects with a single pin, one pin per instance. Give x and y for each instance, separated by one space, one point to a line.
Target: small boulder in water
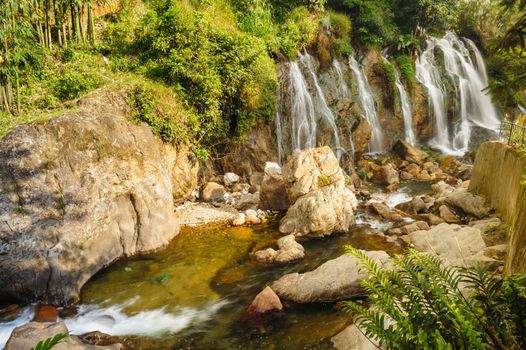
289 251
266 304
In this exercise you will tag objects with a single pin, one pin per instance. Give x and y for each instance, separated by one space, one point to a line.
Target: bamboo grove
26 25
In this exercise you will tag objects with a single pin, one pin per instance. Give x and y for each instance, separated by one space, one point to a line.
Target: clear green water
207 265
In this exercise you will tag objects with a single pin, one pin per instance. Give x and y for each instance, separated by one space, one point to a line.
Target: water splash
473 107
368 106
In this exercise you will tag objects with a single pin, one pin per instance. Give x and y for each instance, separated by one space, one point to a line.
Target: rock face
335 280
322 204
454 243
27 336
80 192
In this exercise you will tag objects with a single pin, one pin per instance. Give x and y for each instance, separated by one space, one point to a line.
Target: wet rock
288 251
468 202
27 336
335 280
213 192
408 152
453 243
45 313
265 302
387 176
387 213
352 338
230 178
448 215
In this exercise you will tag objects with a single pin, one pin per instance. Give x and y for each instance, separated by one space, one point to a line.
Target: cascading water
321 106
368 106
469 80
344 93
405 103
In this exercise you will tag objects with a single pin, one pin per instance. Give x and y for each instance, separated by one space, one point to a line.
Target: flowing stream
451 66
368 105
193 294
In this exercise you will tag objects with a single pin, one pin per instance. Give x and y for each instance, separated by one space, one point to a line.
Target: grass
9 121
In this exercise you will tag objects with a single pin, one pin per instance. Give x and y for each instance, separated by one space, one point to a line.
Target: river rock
387 213
387 176
28 335
288 251
82 191
448 215
352 338
265 302
213 192
45 313
468 202
453 243
408 152
335 280
321 212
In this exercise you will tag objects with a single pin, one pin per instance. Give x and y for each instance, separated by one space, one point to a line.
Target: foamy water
391 199
6 328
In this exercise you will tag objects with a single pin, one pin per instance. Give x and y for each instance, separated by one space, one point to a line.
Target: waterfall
321 104
473 107
407 114
344 93
368 106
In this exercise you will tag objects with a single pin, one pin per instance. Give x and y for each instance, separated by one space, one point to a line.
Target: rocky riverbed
237 240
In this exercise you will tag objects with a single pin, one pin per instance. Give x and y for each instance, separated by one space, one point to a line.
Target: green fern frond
49 343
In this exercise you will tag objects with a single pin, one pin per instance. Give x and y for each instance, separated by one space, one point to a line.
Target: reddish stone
265 302
46 313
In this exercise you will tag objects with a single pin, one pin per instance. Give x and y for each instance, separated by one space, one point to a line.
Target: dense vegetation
215 59
426 305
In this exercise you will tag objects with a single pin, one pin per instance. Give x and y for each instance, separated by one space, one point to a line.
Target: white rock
272 168
230 179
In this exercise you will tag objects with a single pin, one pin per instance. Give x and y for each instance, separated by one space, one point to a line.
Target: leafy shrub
72 83
420 305
298 30
407 70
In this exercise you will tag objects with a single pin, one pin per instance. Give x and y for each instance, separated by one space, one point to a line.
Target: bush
72 83
419 305
407 71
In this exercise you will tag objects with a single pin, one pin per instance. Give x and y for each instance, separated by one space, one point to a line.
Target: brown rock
431 219
413 169
265 302
252 220
273 194
424 176
415 226
386 176
410 153
448 215
387 213
404 175
213 192
256 179
46 313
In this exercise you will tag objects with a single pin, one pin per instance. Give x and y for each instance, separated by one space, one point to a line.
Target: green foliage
71 83
297 31
433 15
341 27
507 70
419 305
407 70
50 342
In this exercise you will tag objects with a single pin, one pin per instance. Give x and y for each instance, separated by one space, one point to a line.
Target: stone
27 336
198 213
441 189
256 179
240 188
486 225
424 176
265 302
413 169
431 219
95 187
321 212
386 176
213 192
252 220
273 195
415 206
404 175
468 202
352 338
448 215
247 201
453 243
387 213
414 226
408 152
230 178
288 251
240 220
272 168
45 313
337 279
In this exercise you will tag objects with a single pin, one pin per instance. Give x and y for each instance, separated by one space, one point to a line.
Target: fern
50 342
419 305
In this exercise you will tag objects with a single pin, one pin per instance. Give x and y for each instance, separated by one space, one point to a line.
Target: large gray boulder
322 204
455 244
335 280
27 336
80 192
